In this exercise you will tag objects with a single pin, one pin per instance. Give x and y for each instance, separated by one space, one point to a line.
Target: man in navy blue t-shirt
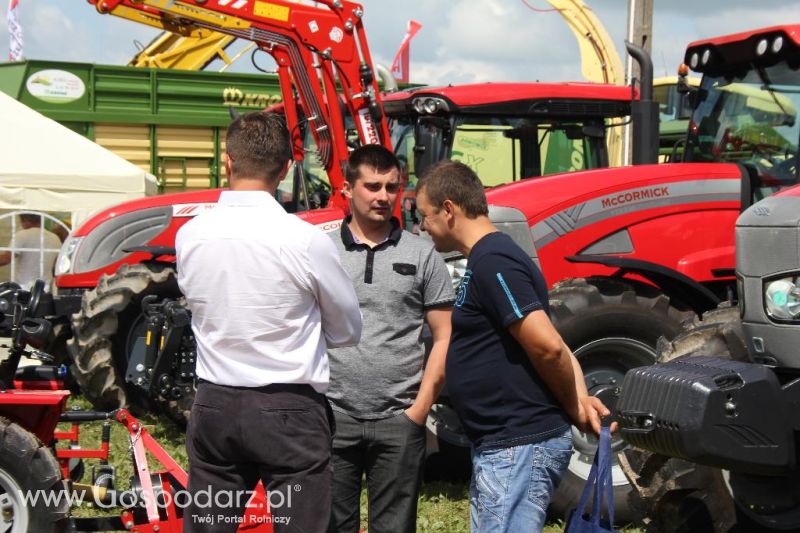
513 382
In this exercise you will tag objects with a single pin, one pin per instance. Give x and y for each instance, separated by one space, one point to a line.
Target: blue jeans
511 487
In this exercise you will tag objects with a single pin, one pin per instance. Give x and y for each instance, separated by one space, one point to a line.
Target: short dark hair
454 181
375 156
28 218
258 145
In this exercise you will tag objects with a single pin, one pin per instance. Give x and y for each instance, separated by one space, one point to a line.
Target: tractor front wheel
612 326
105 331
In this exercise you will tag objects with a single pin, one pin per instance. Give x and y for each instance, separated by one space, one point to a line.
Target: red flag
401 59
14 32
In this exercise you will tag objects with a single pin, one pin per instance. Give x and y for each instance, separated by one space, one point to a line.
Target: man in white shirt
268 296
34 252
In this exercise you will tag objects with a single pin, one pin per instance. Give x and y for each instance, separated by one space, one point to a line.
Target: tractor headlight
457 268
66 255
777 44
429 105
782 298
761 47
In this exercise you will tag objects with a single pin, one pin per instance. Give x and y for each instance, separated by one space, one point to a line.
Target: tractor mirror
429 144
596 132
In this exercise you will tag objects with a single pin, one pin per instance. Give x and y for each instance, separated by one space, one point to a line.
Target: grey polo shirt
396 282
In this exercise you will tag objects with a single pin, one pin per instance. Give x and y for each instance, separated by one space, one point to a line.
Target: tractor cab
746 107
508 132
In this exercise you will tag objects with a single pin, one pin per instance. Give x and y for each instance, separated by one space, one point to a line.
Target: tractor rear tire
27 470
611 325
103 333
677 495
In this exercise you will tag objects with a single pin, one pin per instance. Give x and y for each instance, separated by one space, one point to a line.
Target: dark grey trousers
391 452
279 434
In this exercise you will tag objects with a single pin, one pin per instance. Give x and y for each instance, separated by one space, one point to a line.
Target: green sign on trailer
169 122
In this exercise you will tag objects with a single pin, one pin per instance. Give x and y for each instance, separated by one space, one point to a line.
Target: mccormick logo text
635 196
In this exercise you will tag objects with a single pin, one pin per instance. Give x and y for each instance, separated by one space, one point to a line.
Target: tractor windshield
751 119
503 149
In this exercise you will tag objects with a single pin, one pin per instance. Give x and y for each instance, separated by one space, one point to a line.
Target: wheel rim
13 512
604 363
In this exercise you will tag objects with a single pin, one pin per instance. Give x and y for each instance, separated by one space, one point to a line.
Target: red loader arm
317 49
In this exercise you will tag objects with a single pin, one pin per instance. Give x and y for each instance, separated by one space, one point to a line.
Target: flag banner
400 65
14 32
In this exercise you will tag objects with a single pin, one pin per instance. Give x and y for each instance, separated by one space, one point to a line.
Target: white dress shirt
267 294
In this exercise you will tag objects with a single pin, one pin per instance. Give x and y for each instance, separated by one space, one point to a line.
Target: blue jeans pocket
550 461
490 478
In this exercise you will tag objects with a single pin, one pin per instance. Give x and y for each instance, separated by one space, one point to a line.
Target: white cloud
461 40
49 33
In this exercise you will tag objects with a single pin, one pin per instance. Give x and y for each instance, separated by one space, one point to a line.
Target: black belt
272 387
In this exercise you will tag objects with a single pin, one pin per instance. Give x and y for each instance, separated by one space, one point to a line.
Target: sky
460 41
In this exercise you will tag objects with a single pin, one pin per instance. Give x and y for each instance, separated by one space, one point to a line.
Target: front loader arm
318 49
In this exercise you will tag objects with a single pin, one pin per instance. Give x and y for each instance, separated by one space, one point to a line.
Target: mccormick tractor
629 252
718 415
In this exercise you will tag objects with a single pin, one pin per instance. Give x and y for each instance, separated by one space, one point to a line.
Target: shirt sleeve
507 289
437 283
338 303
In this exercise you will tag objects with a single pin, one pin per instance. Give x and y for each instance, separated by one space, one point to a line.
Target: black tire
677 495
103 332
612 325
717 332
28 467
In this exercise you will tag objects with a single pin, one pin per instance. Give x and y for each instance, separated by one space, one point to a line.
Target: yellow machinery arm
192 52
600 61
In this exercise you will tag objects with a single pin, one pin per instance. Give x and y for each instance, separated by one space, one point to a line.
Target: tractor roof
731 53
792 31
515 98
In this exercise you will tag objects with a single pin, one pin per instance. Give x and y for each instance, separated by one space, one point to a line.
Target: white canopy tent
45 166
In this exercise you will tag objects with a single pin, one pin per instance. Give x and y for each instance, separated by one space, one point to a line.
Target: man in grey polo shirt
379 392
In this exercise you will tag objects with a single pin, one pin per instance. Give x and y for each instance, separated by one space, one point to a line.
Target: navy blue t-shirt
493 386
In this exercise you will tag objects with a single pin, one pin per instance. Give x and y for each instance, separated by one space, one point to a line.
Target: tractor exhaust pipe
644 111
388 79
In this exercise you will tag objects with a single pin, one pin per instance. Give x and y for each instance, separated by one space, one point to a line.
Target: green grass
443 505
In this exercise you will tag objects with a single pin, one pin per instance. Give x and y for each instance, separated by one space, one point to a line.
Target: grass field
443 505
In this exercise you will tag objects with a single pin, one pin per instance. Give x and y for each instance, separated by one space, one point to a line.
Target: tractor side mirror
429 144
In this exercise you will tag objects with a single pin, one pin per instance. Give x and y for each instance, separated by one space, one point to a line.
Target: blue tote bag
598 484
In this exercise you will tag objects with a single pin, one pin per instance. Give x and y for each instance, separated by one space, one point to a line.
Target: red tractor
630 253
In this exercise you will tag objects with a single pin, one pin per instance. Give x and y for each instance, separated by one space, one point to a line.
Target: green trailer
170 123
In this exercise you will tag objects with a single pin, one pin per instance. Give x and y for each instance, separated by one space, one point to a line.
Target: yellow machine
600 61
187 52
